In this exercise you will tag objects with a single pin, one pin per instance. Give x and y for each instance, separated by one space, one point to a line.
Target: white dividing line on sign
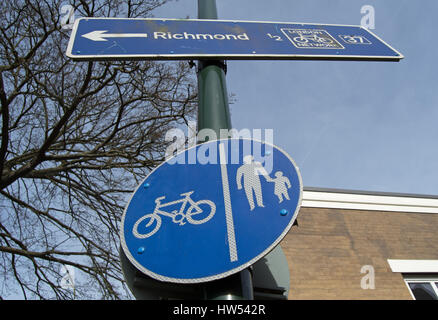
227 202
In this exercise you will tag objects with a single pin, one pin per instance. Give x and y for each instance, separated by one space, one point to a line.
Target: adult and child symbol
251 171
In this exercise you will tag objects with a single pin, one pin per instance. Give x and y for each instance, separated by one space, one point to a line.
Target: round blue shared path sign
211 210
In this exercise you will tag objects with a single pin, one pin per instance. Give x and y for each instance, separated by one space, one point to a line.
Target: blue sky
351 125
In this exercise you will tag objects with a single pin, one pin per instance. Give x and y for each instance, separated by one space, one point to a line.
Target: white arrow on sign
100 35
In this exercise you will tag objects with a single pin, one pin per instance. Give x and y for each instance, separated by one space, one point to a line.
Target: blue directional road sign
112 38
211 210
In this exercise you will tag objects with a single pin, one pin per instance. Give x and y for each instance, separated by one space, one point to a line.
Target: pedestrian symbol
250 172
281 185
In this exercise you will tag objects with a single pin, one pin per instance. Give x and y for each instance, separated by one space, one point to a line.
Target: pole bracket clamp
206 63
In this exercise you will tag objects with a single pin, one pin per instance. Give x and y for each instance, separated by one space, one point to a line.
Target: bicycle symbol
311 38
303 39
191 215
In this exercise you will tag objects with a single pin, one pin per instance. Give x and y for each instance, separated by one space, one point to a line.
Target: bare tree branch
75 140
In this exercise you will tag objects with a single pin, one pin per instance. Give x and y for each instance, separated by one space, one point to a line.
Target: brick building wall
327 250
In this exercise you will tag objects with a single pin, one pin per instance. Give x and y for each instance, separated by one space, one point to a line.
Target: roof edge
371 193
371 201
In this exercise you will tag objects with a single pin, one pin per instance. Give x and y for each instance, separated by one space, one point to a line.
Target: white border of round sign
229 272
